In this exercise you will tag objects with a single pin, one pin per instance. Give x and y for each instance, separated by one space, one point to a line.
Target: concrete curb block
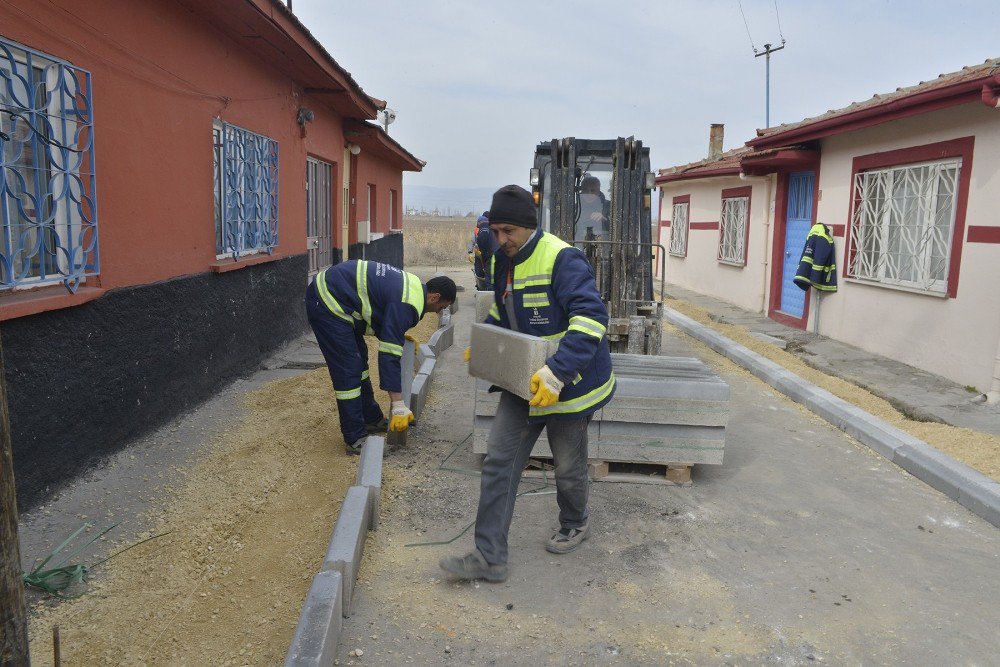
348 542
972 489
329 599
421 385
318 632
370 476
424 353
442 339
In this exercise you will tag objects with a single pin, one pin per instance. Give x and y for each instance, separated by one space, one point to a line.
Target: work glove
546 387
412 339
472 259
401 417
467 355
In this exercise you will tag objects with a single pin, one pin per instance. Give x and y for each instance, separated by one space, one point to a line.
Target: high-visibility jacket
379 299
818 266
555 296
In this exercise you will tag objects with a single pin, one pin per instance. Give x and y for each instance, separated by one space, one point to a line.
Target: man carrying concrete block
546 288
355 298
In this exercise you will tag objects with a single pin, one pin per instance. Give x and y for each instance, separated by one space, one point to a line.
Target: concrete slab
348 541
320 623
507 358
370 475
407 366
421 386
771 340
484 299
424 352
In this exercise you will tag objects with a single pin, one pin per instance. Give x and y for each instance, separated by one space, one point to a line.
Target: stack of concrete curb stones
666 410
328 601
972 489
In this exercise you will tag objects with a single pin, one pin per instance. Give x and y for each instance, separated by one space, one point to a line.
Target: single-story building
173 173
907 182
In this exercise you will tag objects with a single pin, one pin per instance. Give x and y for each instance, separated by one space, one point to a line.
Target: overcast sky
476 85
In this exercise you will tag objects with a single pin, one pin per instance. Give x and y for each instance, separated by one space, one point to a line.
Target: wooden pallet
670 474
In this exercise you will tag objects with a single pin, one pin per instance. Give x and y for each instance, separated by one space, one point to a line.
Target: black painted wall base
83 382
388 250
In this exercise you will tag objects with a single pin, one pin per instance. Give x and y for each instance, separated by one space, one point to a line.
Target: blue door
797 223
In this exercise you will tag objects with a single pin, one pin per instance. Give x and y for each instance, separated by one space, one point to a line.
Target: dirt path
248 528
978 450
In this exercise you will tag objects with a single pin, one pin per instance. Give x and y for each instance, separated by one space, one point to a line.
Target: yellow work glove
546 387
472 259
467 355
401 417
412 339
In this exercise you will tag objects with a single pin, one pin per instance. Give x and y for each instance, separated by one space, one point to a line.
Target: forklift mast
595 194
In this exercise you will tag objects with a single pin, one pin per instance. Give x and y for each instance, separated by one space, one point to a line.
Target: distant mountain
446 201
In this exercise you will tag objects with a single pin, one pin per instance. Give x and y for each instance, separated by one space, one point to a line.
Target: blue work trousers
346 354
512 438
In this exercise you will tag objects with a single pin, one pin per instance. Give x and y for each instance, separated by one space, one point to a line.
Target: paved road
804 548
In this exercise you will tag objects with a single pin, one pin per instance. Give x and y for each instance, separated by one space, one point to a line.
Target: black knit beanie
514 205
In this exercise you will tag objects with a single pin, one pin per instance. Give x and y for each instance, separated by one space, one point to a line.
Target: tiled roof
725 163
966 75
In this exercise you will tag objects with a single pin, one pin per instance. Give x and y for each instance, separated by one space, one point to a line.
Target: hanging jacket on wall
818 266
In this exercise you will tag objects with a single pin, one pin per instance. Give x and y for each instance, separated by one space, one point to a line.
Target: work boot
380 426
473 566
567 539
355 447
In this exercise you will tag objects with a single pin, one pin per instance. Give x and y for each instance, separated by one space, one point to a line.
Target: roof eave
690 176
910 105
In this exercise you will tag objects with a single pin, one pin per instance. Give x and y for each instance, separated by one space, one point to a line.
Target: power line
740 3
778 17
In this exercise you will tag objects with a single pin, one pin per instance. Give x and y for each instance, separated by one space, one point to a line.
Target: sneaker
474 566
380 426
567 539
355 447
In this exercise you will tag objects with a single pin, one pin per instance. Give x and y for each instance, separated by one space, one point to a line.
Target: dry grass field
436 241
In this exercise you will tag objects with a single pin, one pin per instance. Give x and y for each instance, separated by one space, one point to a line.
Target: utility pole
767 82
13 611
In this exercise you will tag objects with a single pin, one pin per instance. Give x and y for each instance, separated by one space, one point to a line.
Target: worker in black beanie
514 205
543 287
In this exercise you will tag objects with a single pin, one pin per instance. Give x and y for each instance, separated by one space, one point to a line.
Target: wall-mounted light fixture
354 149
304 115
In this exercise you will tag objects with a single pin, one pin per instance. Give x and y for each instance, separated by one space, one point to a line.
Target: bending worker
355 298
543 287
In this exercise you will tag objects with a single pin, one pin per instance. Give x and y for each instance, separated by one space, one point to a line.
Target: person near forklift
593 210
543 287
355 298
481 249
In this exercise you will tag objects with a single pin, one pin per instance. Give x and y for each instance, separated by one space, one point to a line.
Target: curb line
328 601
969 487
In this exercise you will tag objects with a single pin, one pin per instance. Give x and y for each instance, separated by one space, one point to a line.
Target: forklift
595 194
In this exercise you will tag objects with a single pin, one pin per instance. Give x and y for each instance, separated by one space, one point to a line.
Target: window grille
48 193
901 226
679 230
246 191
733 230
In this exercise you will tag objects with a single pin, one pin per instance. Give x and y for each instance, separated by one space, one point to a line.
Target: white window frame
679 224
733 222
895 233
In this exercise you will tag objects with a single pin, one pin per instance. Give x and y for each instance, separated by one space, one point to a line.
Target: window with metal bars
733 230
679 229
246 191
902 222
48 200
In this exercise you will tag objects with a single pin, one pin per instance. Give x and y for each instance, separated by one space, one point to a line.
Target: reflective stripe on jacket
818 266
379 299
555 296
